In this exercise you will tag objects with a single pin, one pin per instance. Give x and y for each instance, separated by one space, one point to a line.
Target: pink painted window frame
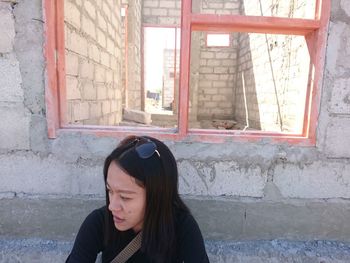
314 30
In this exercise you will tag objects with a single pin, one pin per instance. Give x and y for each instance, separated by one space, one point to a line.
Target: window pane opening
161 73
218 40
259 83
288 9
107 79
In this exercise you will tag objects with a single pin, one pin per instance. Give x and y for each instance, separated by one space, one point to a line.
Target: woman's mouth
118 220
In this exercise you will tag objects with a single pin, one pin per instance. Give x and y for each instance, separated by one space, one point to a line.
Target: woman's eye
125 198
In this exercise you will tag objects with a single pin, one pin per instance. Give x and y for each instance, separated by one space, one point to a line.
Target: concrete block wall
272 75
133 50
160 12
213 86
291 9
238 190
216 87
93 62
169 78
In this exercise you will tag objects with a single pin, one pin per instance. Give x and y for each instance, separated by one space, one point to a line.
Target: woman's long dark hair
159 176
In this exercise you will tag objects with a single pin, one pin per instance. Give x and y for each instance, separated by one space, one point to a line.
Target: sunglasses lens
146 150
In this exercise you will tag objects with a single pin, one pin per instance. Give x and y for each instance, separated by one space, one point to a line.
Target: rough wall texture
133 40
252 175
93 62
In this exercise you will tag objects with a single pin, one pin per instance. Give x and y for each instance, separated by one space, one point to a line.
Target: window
218 40
246 69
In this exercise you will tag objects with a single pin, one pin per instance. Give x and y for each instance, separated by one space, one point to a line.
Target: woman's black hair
158 174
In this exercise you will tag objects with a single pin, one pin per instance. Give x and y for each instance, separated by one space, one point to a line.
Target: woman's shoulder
185 221
95 221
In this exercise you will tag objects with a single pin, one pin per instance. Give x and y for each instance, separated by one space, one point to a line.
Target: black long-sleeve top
90 241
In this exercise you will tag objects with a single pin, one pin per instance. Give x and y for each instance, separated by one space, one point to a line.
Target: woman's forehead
118 179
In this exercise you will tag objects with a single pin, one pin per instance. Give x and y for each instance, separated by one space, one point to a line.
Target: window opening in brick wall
259 83
161 51
97 54
218 40
270 8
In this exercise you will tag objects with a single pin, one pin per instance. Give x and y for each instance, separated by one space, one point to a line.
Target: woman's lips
118 220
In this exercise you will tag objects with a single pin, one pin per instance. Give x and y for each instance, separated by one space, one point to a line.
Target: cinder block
137 116
7 28
340 101
167 4
338 138
14 131
80 111
95 110
77 43
94 52
221 178
88 26
159 11
106 107
72 64
86 69
90 8
101 22
101 92
10 79
100 74
88 91
72 88
151 3
72 14
321 179
101 38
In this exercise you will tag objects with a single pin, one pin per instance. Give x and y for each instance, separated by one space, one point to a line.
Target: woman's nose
114 204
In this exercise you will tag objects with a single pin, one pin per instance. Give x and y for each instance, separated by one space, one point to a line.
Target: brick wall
169 76
133 88
272 73
216 79
161 12
93 61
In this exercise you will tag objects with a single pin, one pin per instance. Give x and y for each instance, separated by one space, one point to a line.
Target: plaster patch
10 79
338 138
340 101
334 46
7 29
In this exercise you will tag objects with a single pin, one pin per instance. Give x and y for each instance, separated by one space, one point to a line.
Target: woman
142 202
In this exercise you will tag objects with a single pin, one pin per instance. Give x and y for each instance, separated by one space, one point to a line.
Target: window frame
314 30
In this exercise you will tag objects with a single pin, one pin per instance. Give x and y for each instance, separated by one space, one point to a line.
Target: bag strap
129 250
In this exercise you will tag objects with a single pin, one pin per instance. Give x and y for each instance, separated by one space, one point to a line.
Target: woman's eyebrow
121 191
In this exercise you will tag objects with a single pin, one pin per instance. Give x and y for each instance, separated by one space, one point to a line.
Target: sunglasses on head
145 148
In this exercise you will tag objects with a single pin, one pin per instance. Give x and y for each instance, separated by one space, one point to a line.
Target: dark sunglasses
145 148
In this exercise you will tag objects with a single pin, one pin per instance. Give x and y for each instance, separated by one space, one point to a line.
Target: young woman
142 201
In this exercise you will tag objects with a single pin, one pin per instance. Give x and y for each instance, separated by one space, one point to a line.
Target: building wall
134 39
169 78
251 190
93 61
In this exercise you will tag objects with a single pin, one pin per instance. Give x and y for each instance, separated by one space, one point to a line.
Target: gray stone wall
93 62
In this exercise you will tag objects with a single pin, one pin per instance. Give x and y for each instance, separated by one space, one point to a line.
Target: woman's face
127 200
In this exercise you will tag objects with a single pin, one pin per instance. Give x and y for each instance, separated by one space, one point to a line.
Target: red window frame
314 30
